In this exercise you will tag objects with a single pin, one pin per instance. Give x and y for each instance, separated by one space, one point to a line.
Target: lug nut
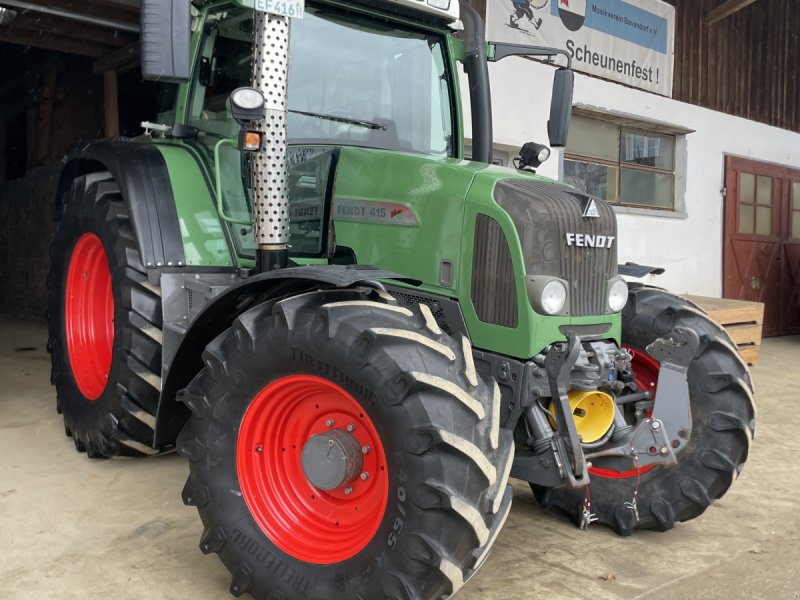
364 476
656 425
330 422
365 449
351 428
664 450
348 490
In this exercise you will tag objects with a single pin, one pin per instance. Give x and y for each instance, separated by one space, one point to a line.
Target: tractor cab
350 83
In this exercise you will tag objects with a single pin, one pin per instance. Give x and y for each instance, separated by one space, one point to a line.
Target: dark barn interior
70 73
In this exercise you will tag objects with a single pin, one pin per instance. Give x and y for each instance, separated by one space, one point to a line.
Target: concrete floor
75 528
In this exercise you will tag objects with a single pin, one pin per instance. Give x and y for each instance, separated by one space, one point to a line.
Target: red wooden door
790 321
762 240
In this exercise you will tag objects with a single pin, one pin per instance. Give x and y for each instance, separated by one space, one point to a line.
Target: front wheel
342 447
723 423
104 324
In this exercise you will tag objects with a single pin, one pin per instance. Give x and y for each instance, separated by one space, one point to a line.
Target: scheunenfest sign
630 41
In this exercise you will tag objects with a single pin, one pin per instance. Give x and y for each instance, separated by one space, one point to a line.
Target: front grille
493 293
543 213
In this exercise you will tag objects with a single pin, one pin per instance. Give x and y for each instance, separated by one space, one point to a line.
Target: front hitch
558 365
655 440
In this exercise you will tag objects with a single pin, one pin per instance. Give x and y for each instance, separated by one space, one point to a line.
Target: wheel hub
332 459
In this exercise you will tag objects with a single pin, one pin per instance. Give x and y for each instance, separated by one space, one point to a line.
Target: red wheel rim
316 526
89 316
645 369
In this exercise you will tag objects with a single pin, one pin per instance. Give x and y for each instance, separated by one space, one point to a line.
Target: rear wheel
342 447
105 324
723 423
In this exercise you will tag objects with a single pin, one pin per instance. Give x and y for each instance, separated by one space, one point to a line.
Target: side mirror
560 107
165 36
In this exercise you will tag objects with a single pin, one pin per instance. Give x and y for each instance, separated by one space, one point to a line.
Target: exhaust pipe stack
269 185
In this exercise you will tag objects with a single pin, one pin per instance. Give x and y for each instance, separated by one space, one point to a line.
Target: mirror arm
502 51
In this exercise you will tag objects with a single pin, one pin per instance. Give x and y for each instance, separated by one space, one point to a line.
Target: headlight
247 105
547 295
617 295
247 98
554 296
544 154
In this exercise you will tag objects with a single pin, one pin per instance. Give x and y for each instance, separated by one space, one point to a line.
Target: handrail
218 183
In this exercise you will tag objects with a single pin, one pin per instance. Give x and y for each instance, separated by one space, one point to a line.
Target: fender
220 313
631 269
143 178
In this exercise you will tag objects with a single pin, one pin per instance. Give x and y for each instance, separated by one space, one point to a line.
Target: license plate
288 8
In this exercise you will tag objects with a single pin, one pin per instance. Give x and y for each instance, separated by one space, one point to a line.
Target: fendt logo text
585 240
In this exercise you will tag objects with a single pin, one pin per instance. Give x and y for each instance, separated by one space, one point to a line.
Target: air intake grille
493 293
412 300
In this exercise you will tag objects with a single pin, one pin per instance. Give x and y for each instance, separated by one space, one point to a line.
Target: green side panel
204 241
444 196
372 184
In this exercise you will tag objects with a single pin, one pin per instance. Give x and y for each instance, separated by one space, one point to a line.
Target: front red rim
316 526
645 369
89 316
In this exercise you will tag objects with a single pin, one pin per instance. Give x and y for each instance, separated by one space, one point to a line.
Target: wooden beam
117 60
3 147
35 23
51 42
726 10
31 126
111 97
48 98
95 8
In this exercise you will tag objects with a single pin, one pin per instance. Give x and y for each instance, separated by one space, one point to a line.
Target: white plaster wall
688 245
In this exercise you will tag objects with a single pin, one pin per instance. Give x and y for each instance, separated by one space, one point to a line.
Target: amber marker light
251 141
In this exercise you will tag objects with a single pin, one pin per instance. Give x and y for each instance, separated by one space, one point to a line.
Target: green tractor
355 334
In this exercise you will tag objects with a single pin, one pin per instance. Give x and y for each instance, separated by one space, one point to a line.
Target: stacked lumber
742 321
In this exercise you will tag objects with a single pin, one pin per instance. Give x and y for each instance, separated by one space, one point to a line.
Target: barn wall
747 64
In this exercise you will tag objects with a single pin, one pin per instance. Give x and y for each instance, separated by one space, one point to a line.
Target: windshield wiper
358 122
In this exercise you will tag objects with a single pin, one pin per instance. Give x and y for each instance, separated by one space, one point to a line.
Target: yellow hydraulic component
593 413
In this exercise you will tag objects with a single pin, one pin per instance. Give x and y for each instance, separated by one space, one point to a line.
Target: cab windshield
350 83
